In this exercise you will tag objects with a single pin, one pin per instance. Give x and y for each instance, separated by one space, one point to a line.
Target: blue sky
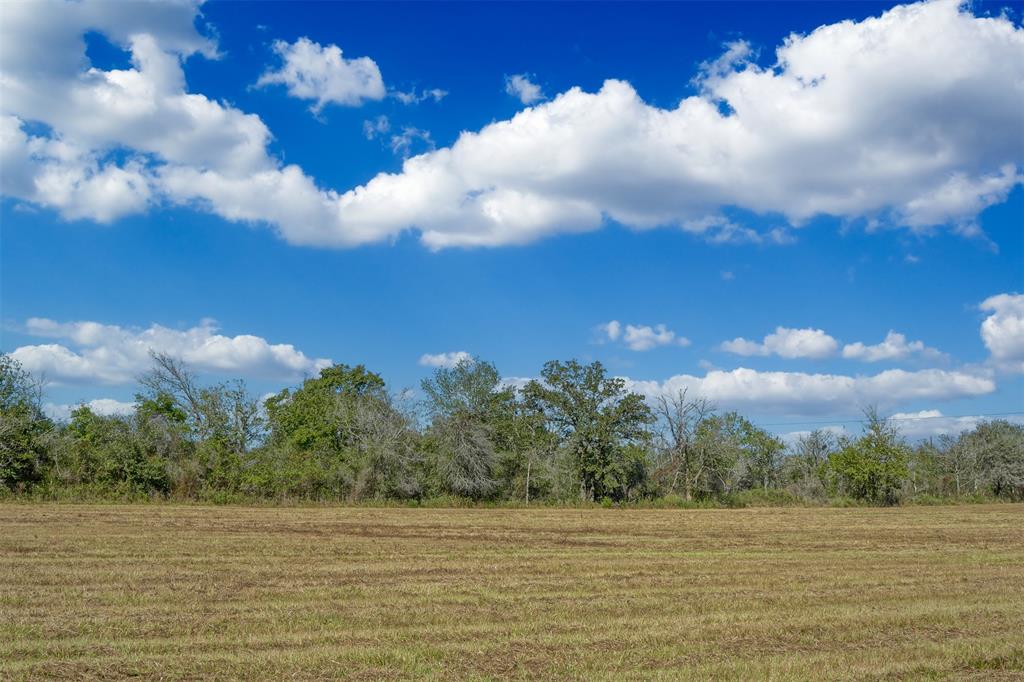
201 178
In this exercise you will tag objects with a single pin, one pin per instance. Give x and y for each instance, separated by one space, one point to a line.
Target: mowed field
184 592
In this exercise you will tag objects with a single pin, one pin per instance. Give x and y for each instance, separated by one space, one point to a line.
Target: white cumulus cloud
908 118
522 88
640 337
101 406
312 71
110 354
894 347
450 359
786 343
931 423
799 393
1003 330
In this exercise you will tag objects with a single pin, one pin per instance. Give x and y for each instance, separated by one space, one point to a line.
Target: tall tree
224 421
386 451
722 436
764 456
23 425
472 387
998 448
874 466
317 415
959 461
225 412
466 402
806 470
596 418
683 454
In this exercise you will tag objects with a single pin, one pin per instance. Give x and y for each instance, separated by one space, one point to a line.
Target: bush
674 501
759 497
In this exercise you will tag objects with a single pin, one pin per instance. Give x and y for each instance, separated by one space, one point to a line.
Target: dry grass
215 593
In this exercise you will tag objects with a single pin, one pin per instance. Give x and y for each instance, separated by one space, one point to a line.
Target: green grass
189 592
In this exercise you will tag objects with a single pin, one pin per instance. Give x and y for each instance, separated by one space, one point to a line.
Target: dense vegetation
575 435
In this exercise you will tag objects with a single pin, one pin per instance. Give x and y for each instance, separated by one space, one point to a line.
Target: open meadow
187 592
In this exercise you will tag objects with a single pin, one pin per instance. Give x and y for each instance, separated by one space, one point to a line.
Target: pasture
188 592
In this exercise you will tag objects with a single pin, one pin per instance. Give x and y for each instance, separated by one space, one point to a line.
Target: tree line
576 435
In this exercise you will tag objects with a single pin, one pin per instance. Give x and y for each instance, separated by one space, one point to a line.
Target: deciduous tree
596 418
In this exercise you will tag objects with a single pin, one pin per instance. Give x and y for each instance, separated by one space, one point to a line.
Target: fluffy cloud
815 343
445 359
117 141
101 406
640 337
873 140
643 337
1003 330
894 347
800 393
909 118
311 71
610 330
786 343
931 423
143 113
111 354
521 87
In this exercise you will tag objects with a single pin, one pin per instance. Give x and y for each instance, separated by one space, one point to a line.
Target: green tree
108 451
223 420
386 450
722 438
162 428
466 403
925 470
874 466
527 467
806 470
340 435
472 387
23 426
318 415
596 418
997 448
763 453
502 443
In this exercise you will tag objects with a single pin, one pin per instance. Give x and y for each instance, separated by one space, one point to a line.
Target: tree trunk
687 493
528 463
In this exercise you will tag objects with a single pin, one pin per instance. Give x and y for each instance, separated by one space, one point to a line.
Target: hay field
184 592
